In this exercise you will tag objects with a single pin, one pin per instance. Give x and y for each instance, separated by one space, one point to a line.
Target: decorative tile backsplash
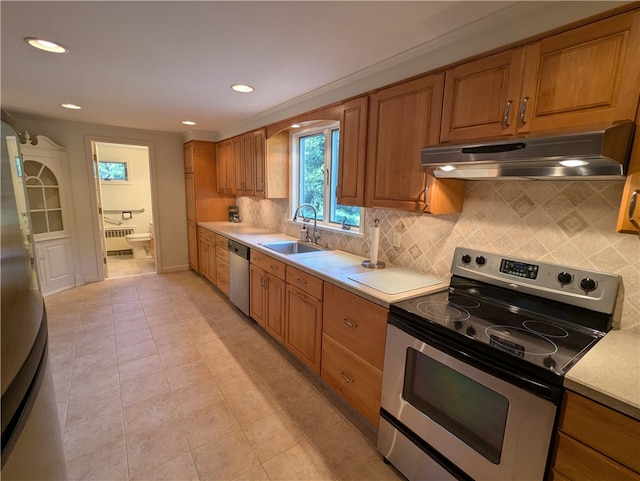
570 223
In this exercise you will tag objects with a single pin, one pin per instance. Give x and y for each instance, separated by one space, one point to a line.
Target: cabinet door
258 295
203 256
481 98
304 327
192 242
224 167
274 319
584 77
211 263
402 120
243 164
259 162
190 190
353 149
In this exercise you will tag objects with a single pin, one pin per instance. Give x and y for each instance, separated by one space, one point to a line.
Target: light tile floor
126 265
158 377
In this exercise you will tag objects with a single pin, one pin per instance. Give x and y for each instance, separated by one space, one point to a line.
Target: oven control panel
572 285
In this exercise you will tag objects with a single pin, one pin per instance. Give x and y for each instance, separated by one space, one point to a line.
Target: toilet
140 244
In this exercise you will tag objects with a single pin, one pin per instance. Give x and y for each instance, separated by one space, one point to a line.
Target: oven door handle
477 360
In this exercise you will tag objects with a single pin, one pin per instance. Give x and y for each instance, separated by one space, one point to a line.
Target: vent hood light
242 88
45 45
573 163
188 122
447 168
71 106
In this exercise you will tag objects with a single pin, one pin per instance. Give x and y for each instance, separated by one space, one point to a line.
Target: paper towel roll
375 241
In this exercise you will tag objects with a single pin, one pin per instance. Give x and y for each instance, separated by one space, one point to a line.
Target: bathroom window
315 176
43 195
114 171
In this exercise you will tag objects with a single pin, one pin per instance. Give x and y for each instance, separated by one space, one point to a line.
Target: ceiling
150 65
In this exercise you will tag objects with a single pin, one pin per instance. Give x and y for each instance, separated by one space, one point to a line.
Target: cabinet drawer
223 282
305 282
576 461
356 380
222 242
269 264
356 323
207 235
222 253
610 432
222 266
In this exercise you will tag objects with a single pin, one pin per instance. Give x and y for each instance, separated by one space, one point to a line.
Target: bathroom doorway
125 207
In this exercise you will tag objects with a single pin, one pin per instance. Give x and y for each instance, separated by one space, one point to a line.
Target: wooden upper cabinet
243 161
224 151
585 77
402 120
481 98
188 158
259 162
353 149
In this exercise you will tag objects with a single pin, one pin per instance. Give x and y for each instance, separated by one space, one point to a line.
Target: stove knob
471 332
588 285
565 278
457 325
466 258
549 363
480 260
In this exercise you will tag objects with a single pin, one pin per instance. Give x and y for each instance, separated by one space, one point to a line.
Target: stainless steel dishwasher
239 275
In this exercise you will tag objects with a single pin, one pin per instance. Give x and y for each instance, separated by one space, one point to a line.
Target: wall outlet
396 239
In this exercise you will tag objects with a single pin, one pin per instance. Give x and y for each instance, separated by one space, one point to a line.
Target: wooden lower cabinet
354 334
303 331
267 302
192 242
222 264
207 254
595 443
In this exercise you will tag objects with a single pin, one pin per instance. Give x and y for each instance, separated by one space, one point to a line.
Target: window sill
335 230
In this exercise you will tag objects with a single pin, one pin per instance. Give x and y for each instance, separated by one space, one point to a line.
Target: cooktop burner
542 314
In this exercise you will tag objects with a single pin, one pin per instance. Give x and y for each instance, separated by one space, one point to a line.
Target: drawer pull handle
523 110
274 268
505 115
301 281
349 323
632 207
345 377
301 296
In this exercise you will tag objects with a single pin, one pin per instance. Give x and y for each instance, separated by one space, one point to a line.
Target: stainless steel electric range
473 375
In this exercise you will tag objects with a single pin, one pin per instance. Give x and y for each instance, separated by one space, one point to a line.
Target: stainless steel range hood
595 155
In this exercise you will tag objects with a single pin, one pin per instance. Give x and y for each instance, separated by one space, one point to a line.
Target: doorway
123 183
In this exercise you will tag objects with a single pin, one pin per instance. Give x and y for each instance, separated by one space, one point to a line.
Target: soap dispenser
303 233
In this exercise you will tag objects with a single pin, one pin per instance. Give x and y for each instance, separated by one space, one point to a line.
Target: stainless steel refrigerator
31 439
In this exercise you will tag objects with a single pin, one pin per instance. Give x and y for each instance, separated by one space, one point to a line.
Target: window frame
329 188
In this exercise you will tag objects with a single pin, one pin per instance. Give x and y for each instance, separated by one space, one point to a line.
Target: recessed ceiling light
295 126
188 122
573 163
71 106
45 45
242 88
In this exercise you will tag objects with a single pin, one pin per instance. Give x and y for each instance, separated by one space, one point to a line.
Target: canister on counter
234 215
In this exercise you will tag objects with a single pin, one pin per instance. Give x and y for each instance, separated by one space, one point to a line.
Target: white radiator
115 241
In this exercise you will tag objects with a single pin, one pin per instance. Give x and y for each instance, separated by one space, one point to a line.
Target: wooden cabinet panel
578 462
353 149
192 241
243 162
303 331
268 264
207 254
583 77
222 242
224 166
481 98
277 166
305 282
275 311
610 432
356 380
190 192
223 282
222 254
402 120
356 323
258 295
259 163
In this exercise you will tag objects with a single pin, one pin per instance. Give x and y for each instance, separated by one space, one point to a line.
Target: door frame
93 200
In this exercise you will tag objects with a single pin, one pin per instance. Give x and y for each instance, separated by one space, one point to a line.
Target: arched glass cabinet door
43 193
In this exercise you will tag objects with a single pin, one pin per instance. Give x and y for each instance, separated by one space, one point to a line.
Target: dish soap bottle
303 233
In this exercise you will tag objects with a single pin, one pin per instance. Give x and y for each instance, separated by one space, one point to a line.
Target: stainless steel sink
292 247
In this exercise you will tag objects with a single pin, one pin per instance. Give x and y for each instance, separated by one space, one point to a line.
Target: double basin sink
288 248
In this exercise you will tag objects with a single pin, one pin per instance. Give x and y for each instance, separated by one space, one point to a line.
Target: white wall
167 176
132 195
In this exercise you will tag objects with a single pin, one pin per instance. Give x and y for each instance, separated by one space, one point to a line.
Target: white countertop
333 266
610 372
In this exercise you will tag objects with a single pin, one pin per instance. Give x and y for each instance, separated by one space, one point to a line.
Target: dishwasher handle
238 249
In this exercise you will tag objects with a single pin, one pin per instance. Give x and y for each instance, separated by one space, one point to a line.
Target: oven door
466 419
